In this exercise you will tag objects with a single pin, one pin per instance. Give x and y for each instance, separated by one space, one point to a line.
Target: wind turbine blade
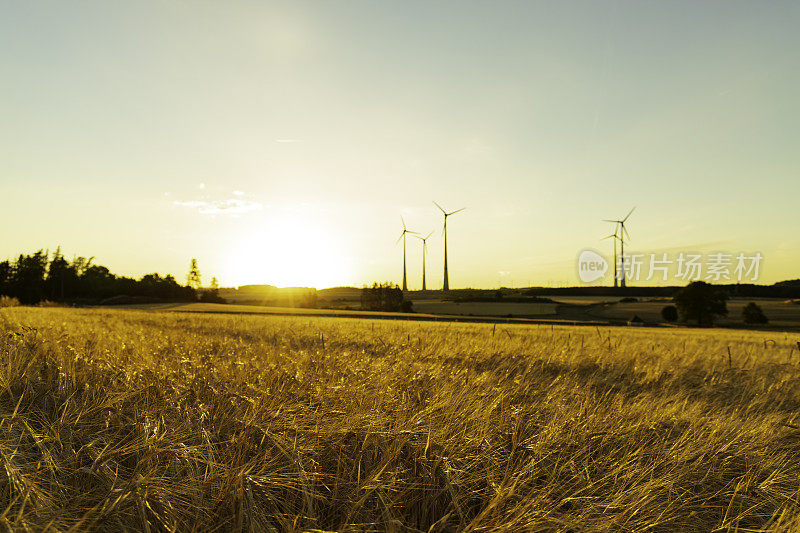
628 235
609 237
429 234
440 208
606 220
400 237
403 221
456 211
414 232
629 214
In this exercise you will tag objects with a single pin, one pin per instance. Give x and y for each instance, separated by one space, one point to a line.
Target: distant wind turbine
623 232
446 285
616 238
424 249
403 236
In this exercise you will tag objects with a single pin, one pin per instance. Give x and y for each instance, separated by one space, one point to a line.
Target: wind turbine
616 238
446 285
403 236
623 232
424 249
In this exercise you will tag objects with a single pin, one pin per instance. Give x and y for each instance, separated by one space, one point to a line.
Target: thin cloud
288 140
191 203
232 206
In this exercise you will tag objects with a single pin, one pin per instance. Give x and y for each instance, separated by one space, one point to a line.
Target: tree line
385 297
42 276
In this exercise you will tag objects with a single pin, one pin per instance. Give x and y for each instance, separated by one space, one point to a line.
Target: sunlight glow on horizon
287 252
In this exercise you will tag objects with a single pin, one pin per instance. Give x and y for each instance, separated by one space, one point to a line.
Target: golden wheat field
118 420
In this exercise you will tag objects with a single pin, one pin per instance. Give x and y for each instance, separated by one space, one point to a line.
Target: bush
753 314
48 303
669 313
8 301
701 301
212 296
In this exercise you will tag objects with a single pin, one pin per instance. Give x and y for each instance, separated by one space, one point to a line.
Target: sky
281 142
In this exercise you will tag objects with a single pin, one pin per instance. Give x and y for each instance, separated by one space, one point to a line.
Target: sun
288 251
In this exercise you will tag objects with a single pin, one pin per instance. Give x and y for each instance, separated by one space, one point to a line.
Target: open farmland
119 420
439 307
782 313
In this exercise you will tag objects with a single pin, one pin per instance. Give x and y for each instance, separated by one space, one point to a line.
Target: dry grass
8 301
128 420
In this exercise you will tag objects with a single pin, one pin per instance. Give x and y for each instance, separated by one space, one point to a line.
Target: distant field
782 314
440 311
779 311
423 309
587 300
439 307
257 309
126 420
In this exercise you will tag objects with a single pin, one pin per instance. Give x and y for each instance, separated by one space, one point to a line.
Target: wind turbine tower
623 232
403 236
446 284
616 238
424 249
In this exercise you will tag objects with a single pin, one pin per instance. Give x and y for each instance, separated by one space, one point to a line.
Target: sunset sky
280 142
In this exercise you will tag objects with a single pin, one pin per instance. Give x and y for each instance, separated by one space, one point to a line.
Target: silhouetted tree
193 279
669 313
211 295
382 297
32 278
6 273
702 302
154 286
29 276
61 277
80 264
98 281
753 314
